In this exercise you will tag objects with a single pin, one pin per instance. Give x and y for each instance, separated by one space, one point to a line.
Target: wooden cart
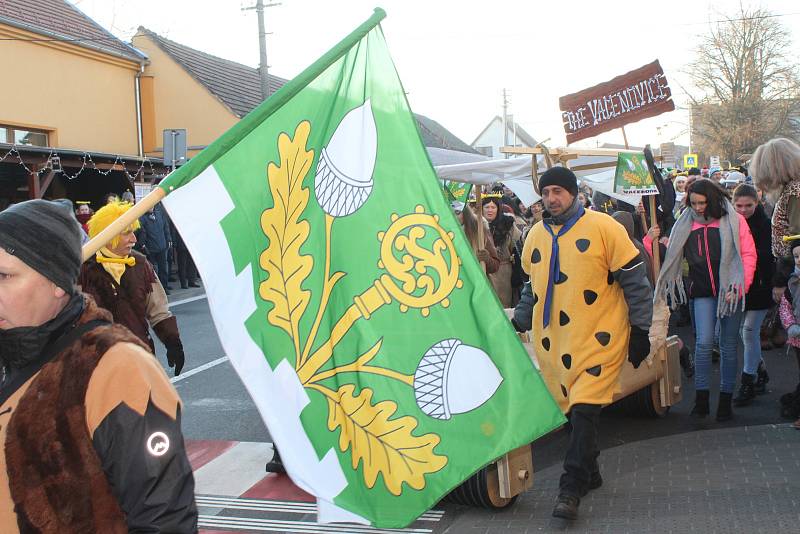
648 391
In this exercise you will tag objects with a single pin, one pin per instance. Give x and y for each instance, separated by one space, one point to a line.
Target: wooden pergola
42 164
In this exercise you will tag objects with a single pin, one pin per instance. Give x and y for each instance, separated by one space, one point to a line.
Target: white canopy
515 173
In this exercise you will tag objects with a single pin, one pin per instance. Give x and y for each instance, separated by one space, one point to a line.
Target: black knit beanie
46 236
560 176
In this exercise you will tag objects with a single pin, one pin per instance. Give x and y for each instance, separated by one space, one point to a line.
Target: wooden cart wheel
482 490
645 402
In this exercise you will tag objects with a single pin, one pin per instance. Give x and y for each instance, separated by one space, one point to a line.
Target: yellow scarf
114 264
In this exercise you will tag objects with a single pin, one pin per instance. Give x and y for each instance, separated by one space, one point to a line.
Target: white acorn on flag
344 172
454 378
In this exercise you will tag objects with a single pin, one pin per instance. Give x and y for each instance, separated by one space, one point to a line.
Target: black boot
596 481
791 404
724 412
788 398
276 464
747 390
687 361
700 403
566 507
762 378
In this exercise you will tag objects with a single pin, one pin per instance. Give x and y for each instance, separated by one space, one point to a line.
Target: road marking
200 369
186 301
271 525
234 471
292 507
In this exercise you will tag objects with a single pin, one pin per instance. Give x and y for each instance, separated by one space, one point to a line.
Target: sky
456 57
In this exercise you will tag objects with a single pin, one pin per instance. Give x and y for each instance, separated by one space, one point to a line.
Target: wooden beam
577 152
33 184
46 183
590 166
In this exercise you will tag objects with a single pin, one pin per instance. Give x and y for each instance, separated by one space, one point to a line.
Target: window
23 136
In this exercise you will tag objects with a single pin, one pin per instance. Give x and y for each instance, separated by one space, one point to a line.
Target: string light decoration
54 164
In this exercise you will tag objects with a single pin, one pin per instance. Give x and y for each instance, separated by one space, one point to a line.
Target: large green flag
347 298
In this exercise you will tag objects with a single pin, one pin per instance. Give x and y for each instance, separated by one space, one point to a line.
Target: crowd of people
577 267
728 243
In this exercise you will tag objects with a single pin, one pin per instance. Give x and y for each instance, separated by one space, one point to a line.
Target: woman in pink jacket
717 244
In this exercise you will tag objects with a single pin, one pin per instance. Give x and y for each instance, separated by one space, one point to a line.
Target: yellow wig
108 214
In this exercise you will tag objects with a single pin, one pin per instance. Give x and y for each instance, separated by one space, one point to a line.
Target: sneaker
566 507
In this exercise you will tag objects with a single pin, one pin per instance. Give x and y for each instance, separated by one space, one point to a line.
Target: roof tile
61 19
239 88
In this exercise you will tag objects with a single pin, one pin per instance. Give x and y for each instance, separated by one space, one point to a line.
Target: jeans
751 338
159 263
583 449
705 316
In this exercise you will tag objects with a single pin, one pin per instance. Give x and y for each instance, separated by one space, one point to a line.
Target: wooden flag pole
479 217
117 227
656 248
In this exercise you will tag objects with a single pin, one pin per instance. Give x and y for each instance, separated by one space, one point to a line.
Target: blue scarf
555 266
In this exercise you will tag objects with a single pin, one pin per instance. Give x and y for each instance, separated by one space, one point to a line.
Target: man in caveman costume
588 304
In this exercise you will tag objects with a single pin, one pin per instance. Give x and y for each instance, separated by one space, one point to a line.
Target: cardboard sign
633 177
634 96
689 161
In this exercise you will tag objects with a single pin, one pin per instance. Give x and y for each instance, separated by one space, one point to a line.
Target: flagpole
479 215
126 219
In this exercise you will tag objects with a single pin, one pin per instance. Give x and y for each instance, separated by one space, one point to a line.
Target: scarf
114 264
731 268
20 346
567 220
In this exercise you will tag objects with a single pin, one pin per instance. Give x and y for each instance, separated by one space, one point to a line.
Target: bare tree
747 85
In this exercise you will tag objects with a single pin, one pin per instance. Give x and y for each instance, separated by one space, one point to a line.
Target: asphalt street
217 407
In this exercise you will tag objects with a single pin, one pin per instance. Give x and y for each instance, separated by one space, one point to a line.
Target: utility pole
263 67
505 119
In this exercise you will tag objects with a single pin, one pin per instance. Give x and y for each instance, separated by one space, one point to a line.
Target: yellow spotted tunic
582 350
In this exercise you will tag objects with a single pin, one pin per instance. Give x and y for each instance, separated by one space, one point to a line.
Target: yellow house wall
180 101
87 100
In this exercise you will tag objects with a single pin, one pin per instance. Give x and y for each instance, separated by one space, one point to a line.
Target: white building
492 138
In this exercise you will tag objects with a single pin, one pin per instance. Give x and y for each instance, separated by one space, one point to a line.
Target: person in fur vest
122 281
89 423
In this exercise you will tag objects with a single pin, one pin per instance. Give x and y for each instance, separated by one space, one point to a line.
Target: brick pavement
743 479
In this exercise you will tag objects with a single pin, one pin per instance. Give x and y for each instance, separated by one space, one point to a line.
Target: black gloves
638 346
175 357
167 332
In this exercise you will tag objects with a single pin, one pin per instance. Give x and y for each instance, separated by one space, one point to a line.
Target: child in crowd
790 317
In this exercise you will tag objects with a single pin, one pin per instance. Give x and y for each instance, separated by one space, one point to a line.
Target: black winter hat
560 176
46 236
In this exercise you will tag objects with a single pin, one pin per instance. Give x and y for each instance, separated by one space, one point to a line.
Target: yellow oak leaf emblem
285 266
385 445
